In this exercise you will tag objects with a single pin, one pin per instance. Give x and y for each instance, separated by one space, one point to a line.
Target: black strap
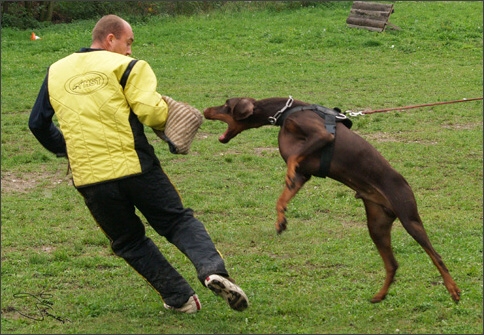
326 157
126 73
329 117
322 111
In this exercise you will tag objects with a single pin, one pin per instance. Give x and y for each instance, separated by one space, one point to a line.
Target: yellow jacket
103 124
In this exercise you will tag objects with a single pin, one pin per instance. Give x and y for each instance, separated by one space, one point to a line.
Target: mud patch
380 137
263 151
25 182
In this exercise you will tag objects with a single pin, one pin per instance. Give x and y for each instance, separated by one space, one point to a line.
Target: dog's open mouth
230 132
226 136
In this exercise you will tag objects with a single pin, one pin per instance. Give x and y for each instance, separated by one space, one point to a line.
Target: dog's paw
281 226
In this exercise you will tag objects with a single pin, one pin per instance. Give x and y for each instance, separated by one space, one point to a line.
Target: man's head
112 33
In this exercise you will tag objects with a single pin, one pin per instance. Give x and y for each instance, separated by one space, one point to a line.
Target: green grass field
59 275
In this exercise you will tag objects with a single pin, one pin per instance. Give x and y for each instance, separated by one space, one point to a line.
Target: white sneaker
231 293
192 305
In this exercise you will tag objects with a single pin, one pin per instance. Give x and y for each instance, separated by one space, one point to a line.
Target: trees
26 14
34 14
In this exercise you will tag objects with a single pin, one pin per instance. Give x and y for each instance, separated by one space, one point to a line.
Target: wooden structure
370 15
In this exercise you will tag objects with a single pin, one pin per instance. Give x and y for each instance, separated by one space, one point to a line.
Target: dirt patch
24 182
261 151
464 126
380 137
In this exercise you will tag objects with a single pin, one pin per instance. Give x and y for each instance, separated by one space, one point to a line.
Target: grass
318 276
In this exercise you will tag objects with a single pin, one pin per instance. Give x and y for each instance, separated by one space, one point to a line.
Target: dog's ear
243 109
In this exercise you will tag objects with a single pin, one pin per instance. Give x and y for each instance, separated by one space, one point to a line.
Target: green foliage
318 276
68 11
29 15
19 17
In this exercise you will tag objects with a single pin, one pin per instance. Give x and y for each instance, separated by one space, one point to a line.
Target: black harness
330 117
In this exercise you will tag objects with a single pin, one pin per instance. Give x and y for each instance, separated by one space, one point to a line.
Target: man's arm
41 125
144 100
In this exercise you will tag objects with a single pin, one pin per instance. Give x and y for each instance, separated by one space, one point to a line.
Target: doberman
313 143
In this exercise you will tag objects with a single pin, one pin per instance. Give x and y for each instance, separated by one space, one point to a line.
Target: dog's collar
273 119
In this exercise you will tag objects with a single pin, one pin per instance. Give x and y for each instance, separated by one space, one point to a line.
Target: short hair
108 24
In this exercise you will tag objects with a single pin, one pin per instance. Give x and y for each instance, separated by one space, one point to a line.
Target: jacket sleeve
144 100
41 125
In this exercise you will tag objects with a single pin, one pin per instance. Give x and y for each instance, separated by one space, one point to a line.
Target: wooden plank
366 22
373 14
367 28
369 15
373 6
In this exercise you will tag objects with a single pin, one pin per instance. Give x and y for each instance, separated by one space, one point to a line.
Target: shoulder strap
126 73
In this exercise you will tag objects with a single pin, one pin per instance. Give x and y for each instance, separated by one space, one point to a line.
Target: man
102 99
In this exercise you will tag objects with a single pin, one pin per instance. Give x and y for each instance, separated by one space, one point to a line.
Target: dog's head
237 113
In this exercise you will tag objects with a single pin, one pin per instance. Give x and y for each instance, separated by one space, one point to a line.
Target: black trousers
112 204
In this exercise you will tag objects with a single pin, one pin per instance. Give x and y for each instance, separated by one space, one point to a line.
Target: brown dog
315 146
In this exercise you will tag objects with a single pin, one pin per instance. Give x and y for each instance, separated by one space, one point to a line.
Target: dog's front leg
294 182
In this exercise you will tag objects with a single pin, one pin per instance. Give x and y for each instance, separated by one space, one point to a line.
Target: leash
369 111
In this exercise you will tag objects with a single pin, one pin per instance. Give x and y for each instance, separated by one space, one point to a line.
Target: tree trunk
50 10
5 7
46 10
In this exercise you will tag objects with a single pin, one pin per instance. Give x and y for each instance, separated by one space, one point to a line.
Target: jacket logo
86 83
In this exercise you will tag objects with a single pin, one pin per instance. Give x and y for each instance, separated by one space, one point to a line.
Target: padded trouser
112 204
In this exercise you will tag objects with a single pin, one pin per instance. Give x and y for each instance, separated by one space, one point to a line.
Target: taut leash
370 111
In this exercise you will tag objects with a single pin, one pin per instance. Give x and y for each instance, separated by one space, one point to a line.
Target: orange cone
34 37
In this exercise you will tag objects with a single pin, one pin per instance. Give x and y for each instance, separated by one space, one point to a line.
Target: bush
19 17
25 15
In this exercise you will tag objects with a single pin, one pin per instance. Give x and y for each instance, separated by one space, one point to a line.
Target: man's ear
109 39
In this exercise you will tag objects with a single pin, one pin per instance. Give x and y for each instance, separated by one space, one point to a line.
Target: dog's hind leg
413 225
379 221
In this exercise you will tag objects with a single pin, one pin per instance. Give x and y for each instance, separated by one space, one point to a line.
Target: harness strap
322 111
327 154
330 117
326 157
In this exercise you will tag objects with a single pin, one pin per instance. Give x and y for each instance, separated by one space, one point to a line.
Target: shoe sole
236 300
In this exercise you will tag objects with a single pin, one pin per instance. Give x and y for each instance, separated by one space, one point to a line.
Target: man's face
122 45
